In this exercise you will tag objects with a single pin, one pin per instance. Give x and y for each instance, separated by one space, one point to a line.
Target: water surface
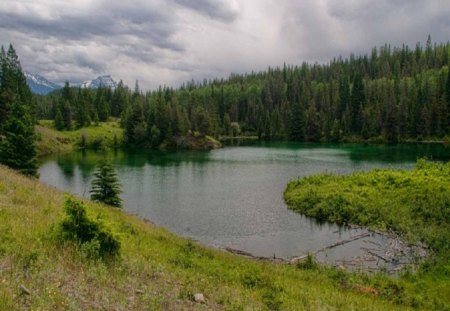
233 197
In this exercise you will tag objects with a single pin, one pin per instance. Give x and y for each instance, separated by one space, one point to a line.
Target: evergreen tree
58 122
356 104
227 124
101 104
105 185
67 115
135 131
82 108
297 123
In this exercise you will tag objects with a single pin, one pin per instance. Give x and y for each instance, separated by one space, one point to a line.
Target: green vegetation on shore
50 141
414 204
158 270
104 134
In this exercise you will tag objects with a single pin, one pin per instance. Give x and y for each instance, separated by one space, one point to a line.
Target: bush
92 239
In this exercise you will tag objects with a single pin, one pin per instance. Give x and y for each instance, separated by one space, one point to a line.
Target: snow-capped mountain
105 81
40 85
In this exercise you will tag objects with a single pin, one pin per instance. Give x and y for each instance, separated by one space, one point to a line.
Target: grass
157 270
51 141
414 204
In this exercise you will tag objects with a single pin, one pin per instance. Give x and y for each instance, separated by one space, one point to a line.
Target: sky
168 42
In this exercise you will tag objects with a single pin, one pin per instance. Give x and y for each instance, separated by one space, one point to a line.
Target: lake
233 197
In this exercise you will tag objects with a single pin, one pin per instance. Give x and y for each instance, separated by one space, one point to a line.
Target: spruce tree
67 115
357 101
58 122
106 185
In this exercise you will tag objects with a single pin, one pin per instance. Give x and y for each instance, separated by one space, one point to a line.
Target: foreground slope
156 269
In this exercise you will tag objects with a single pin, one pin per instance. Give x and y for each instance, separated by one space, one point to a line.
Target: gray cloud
216 9
170 42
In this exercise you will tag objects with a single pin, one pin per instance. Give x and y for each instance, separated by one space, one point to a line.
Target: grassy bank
414 204
106 134
157 270
51 141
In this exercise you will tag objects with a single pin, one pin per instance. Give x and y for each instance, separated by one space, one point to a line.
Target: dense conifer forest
17 111
391 95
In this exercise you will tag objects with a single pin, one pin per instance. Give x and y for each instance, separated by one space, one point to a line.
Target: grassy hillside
51 141
157 270
414 204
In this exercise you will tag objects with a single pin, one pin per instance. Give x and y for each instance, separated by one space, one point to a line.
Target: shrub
92 239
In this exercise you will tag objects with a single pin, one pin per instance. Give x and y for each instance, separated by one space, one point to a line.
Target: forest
395 94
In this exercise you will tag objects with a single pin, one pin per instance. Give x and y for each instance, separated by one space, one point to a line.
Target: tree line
393 94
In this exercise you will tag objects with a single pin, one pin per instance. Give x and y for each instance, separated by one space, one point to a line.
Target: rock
199 298
24 290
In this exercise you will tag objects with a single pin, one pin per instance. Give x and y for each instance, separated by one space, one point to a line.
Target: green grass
157 270
51 141
414 204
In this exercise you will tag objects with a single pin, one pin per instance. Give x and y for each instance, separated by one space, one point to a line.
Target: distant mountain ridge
40 85
104 81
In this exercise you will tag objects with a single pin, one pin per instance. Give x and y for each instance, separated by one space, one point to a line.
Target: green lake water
233 197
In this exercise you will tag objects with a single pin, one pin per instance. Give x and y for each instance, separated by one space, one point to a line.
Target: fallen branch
378 256
357 237
247 254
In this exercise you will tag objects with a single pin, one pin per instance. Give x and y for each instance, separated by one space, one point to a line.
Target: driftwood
294 260
247 254
372 254
357 237
378 256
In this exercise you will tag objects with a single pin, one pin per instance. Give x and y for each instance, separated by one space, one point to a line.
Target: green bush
92 239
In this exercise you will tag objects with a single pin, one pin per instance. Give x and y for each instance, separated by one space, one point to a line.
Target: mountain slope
105 81
40 85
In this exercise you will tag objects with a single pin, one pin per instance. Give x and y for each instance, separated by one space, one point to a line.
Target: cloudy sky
173 41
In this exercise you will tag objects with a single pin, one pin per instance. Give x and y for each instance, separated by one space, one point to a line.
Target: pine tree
67 115
357 101
226 124
135 130
297 122
58 122
106 185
